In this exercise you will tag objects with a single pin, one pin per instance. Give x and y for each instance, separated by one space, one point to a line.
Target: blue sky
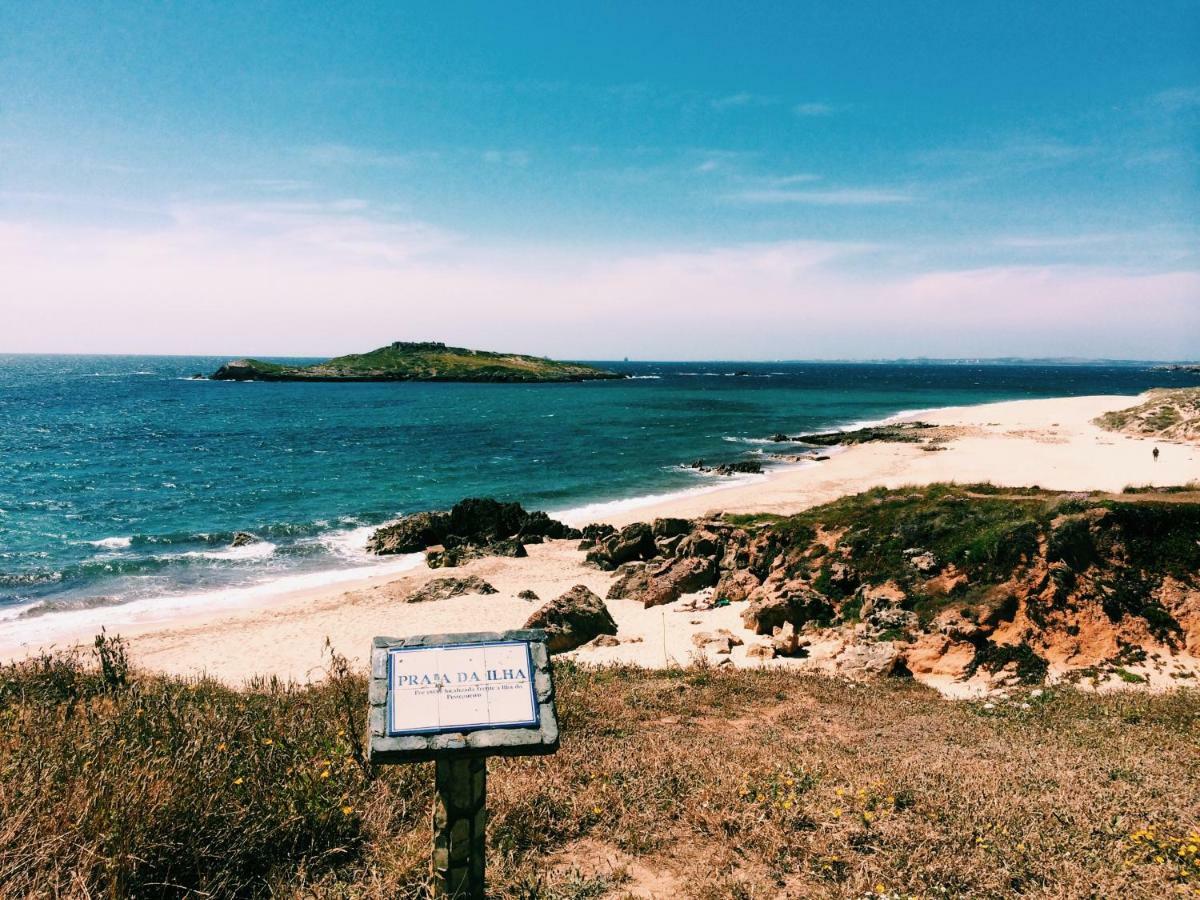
952 179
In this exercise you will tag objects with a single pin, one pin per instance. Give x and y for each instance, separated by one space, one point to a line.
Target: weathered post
457 699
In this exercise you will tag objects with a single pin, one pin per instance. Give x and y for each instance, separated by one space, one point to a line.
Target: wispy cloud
515 158
833 197
1018 153
1178 98
342 276
797 178
1053 242
347 155
813 109
742 99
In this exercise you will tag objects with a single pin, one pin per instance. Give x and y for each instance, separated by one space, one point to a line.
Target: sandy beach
1048 443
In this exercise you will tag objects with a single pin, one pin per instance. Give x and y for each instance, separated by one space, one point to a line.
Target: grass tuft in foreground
693 783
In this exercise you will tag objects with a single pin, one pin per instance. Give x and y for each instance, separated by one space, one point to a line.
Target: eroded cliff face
949 584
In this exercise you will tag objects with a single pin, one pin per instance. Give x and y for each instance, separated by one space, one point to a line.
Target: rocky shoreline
958 584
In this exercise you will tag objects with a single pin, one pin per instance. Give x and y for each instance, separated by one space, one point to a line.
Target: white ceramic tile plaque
460 688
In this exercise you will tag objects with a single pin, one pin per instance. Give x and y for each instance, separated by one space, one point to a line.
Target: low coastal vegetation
1167 413
416 361
118 783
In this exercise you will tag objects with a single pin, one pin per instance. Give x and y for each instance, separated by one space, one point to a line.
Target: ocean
121 479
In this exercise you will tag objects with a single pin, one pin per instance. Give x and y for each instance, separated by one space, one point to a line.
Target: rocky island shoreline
417 361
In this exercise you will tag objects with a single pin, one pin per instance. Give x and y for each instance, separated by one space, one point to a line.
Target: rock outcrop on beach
947 582
445 588
475 527
417 361
573 619
902 433
740 467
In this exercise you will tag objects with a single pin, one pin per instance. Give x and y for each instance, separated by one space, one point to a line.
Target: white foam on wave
112 543
889 420
257 550
738 439
596 512
350 542
42 630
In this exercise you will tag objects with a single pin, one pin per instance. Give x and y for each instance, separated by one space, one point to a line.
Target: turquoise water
121 479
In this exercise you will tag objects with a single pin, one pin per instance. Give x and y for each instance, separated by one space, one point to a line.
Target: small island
417 361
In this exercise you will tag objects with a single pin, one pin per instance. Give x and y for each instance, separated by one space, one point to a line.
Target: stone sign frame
538 739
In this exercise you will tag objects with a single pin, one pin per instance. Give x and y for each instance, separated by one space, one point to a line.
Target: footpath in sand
1048 443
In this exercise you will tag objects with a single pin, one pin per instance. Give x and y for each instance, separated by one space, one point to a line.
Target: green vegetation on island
417 361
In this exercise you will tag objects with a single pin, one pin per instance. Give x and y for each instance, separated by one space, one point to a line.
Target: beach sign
457 699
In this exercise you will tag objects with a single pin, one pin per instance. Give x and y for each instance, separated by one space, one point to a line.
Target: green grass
715 784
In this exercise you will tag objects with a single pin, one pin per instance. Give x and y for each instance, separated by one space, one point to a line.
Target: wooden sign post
458 699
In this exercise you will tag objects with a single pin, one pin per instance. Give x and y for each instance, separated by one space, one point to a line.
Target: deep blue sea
121 479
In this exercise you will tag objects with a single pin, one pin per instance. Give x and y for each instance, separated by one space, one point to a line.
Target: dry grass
698 783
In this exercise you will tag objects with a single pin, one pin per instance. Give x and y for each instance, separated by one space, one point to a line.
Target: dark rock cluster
473 528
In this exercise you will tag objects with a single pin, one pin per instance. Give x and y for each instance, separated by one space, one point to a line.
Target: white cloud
742 99
515 158
1178 98
321 279
834 197
346 155
813 109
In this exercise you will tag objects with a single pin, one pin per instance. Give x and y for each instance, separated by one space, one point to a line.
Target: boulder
735 586
667 528
655 585
605 640
784 640
445 588
594 533
573 619
633 542
883 658
411 534
794 601
668 546
527 595
760 651
721 635
701 542
242 538
473 527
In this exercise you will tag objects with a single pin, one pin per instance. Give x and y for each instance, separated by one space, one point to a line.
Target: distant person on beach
1155 453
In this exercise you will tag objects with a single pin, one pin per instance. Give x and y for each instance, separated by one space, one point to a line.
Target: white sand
1048 443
